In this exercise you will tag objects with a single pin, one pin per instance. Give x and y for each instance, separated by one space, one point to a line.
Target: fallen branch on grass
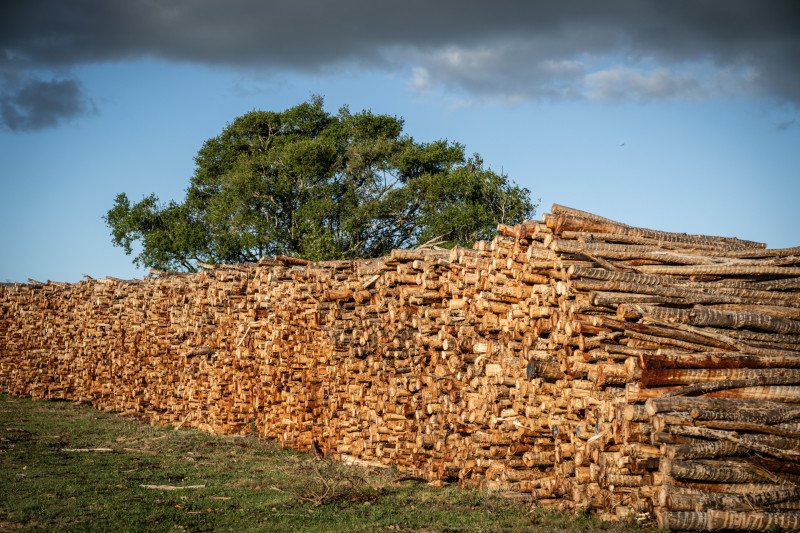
183 421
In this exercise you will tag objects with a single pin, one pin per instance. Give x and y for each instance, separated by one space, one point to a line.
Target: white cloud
515 71
629 83
509 71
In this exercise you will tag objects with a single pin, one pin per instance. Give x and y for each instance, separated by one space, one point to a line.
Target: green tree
308 184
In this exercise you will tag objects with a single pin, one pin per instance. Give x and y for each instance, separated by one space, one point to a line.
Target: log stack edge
576 361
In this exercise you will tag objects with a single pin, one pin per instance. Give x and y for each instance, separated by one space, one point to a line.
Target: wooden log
660 331
690 248
583 221
634 393
622 251
666 358
682 520
702 388
790 313
691 376
703 316
761 253
716 473
686 404
659 342
777 284
720 270
693 500
773 416
752 521
772 393
702 450
761 443
748 502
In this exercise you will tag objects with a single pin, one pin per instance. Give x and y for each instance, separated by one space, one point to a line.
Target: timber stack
575 361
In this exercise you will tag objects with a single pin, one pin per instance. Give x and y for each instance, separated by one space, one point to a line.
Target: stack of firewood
574 361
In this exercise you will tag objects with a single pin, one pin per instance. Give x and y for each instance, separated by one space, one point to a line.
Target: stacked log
574 361
692 344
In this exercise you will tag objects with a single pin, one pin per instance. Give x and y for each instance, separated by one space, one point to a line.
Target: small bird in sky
623 144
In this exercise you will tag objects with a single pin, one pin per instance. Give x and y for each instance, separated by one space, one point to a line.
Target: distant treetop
308 184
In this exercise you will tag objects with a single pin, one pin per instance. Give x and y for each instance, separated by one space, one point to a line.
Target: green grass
249 484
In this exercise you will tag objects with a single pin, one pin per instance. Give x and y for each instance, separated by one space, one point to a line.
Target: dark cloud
39 104
616 49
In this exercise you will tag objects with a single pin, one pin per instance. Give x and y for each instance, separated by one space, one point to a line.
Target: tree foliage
308 184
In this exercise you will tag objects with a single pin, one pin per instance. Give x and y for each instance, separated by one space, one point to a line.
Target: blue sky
643 112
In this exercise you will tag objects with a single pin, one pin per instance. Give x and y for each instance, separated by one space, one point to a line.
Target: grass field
65 467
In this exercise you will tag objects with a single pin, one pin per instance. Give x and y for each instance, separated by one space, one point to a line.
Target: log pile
576 361
691 344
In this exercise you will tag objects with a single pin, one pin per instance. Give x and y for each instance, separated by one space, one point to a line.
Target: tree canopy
306 183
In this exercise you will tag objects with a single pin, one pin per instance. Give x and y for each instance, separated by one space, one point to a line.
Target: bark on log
576 220
682 520
772 393
666 358
755 292
753 521
699 377
702 450
774 416
711 386
661 405
720 270
751 502
746 441
703 316
696 471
